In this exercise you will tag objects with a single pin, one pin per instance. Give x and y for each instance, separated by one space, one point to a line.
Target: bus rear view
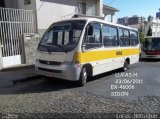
151 47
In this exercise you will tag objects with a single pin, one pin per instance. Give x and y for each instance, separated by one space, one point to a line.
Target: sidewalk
17 73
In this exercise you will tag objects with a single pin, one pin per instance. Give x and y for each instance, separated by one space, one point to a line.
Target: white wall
11 3
31 6
101 8
155 27
19 4
49 11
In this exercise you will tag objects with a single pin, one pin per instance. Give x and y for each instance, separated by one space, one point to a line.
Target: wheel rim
84 78
126 66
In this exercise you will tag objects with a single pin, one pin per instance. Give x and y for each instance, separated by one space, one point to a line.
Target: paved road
41 95
146 73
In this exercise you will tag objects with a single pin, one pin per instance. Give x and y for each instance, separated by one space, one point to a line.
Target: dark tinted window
152 44
27 2
109 36
124 37
134 38
94 40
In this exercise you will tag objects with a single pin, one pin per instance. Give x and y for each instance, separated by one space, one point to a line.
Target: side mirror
90 31
83 48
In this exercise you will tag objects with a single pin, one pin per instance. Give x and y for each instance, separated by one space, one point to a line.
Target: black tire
83 77
125 66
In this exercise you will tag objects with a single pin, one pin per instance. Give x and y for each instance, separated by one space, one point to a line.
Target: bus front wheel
83 77
125 66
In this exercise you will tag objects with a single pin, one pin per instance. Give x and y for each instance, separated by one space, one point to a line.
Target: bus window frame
86 36
108 25
137 38
102 40
123 34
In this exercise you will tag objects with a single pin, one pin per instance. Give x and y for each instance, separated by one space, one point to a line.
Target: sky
134 7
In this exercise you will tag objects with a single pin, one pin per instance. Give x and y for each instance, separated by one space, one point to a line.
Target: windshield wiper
49 50
47 47
62 46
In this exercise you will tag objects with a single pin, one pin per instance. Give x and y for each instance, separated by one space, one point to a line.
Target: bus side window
110 37
94 40
124 37
134 38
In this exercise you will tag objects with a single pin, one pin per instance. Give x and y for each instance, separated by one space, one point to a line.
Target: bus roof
89 19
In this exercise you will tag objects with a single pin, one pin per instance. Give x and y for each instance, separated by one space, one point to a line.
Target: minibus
78 48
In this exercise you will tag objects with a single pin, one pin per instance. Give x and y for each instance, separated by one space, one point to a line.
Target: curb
18 76
20 67
7 83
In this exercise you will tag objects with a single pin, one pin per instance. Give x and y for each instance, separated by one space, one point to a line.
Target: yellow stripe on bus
91 56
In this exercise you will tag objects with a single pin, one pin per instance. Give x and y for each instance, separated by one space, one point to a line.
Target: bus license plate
49 74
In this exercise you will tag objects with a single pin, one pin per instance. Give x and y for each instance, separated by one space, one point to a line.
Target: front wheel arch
83 77
87 68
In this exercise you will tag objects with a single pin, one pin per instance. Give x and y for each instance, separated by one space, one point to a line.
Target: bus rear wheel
83 77
125 66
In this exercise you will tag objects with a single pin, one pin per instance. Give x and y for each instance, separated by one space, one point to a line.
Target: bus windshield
152 44
62 36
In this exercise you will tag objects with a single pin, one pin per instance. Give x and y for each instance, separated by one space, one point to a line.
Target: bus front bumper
151 56
144 55
67 72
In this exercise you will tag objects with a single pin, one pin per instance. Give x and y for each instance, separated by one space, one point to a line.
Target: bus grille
50 70
50 62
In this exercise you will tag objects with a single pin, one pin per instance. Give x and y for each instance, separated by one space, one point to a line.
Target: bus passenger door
92 45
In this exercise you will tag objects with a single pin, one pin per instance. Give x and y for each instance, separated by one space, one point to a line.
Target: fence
13 23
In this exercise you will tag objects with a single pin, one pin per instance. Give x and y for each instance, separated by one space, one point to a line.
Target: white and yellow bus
78 48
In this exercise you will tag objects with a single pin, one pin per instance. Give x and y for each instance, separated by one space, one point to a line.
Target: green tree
149 33
141 37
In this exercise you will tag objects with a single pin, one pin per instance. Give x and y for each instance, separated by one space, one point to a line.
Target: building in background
109 11
51 11
144 27
134 20
150 18
155 25
123 21
141 23
158 14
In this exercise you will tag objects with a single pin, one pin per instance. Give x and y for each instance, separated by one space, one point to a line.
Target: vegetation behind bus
149 33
